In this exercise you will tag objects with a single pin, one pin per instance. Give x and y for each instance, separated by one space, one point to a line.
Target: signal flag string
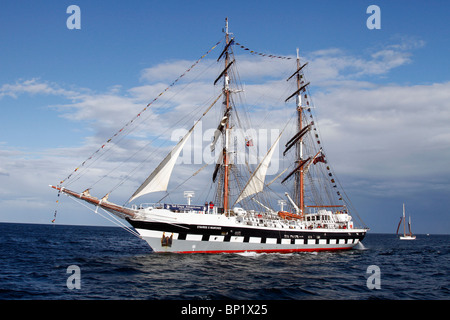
262 54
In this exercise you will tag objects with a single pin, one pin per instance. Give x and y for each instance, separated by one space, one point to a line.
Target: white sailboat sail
159 178
256 182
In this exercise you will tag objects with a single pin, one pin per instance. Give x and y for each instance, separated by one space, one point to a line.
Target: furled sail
296 92
219 131
218 164
297 137
256 182
159 178
298 70
301 164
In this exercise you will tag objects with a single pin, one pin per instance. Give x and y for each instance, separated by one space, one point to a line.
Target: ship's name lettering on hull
209 227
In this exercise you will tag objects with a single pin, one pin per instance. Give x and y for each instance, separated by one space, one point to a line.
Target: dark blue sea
115 265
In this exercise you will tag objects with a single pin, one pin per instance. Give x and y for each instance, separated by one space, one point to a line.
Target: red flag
320 158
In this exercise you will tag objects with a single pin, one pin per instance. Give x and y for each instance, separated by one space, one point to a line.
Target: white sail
159 178
256 182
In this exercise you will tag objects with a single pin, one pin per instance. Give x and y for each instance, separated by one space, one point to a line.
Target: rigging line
129 132
261 97
121 224
253 175
317 132
143 110
134 154
118 223
125 161
207 191
123 136
150 142
182 183
142 122
145 160
348 200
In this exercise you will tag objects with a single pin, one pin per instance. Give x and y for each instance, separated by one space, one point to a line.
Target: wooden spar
296 92
225 49
111 207
302 163
296 138
298 134
298 70
224 72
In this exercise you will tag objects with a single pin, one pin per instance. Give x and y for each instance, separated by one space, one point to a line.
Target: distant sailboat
406 236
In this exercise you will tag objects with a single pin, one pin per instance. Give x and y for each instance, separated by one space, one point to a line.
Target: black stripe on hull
206 231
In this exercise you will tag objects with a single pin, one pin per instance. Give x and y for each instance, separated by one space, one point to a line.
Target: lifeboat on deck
288 215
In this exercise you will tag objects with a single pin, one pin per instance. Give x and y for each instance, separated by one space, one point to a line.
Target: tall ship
302 207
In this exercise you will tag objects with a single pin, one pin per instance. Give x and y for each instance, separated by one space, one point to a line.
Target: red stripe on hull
261 251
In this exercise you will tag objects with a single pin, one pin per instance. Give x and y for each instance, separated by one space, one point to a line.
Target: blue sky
56 83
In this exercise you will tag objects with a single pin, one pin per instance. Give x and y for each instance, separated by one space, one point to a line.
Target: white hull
216 244
166 231
407 237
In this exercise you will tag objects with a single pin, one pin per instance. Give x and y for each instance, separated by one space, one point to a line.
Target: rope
139 114
115 221
262 54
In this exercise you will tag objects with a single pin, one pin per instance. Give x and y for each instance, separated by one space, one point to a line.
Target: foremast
226 93
299 189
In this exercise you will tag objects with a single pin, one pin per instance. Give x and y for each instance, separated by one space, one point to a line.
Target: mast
226 91
297 140
404 221
299 183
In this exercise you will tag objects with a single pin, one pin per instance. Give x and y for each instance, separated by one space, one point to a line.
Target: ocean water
113 264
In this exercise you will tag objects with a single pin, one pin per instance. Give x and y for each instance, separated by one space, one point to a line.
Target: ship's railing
147 206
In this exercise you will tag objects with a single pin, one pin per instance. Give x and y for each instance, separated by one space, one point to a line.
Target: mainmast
297 140
226 91
299 184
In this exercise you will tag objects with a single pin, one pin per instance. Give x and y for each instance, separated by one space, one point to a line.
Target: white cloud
34 86
331 66
389 131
